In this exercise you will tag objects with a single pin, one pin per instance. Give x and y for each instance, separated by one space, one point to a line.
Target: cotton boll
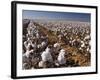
87 37
43 44
57 47
61 57
41 64
25 44
48 50
37 35
83 44
39 46
46 55
27 53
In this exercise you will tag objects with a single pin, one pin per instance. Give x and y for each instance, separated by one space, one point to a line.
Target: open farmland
73 37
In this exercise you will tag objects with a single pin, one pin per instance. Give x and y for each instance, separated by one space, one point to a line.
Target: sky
31 14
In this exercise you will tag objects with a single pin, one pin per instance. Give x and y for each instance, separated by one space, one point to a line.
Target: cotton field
55 44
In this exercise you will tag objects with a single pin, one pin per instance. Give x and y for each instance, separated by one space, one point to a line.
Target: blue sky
31 14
